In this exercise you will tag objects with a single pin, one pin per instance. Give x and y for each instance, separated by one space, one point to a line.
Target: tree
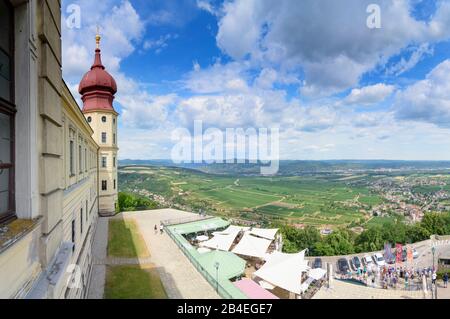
434 223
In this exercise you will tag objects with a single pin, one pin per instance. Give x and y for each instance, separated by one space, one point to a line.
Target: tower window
103 137
114 138
89 119
104 119
104 159
114 184
104 185
114 121
114 161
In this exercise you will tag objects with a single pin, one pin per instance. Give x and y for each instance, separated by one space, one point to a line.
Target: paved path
99 246
343 290
179 277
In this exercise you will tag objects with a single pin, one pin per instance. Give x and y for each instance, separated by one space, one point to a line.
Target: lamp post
217 265
433 251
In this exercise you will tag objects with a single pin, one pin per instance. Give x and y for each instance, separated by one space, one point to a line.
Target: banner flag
409 255
388 256
399 253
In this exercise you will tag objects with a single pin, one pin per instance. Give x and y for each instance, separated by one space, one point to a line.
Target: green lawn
125 240
133 282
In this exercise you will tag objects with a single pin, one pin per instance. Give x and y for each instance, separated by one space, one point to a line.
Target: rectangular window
104 185
6 52
73 235
7 111
104 138
114 138
81 220
85 160
71 158
80 159
114 161
104 161
114 184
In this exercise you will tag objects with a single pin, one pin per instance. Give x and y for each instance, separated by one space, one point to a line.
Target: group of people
391 276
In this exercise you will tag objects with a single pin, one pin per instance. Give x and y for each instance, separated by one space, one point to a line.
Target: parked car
317 263
379 259
356 263
367 261
343 266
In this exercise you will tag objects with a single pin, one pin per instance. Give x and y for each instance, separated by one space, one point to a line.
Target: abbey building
58 161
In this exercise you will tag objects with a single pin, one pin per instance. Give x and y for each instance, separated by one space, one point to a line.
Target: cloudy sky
335 88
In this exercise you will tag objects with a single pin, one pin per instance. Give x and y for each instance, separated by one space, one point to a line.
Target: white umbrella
202 238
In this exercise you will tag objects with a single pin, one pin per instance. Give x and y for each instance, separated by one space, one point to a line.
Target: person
433 278
156 229
161 228
445 280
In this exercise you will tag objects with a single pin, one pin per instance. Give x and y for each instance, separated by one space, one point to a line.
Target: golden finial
98 38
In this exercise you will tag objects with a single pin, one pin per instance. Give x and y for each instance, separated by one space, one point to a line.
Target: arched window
104 119
7 111
89 119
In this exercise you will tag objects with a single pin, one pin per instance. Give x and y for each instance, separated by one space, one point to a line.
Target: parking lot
424 257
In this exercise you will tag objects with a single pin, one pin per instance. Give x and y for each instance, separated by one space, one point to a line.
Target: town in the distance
235 150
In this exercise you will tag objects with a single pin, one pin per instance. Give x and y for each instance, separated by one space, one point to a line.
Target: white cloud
417 55
370 94
216 78
427 100
160 44
330 42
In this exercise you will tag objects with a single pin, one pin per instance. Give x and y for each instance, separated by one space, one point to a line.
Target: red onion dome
97 86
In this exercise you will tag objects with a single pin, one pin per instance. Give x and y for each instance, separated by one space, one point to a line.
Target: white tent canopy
220 242
252 246
231 230
284 271
223 240
264 233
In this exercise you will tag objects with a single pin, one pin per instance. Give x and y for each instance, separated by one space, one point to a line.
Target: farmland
318 200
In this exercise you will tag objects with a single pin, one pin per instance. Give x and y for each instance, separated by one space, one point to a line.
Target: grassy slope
125 240
133 282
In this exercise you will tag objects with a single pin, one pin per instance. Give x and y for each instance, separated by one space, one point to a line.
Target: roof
253 290
223 240
252 246
230 265
201 225
284 270
97 87
264 233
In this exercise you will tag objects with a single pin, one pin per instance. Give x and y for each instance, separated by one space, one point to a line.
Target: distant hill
299 167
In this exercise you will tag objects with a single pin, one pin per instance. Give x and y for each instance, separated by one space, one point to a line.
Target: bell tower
97 89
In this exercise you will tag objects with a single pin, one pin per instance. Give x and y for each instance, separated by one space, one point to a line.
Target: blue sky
335 88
